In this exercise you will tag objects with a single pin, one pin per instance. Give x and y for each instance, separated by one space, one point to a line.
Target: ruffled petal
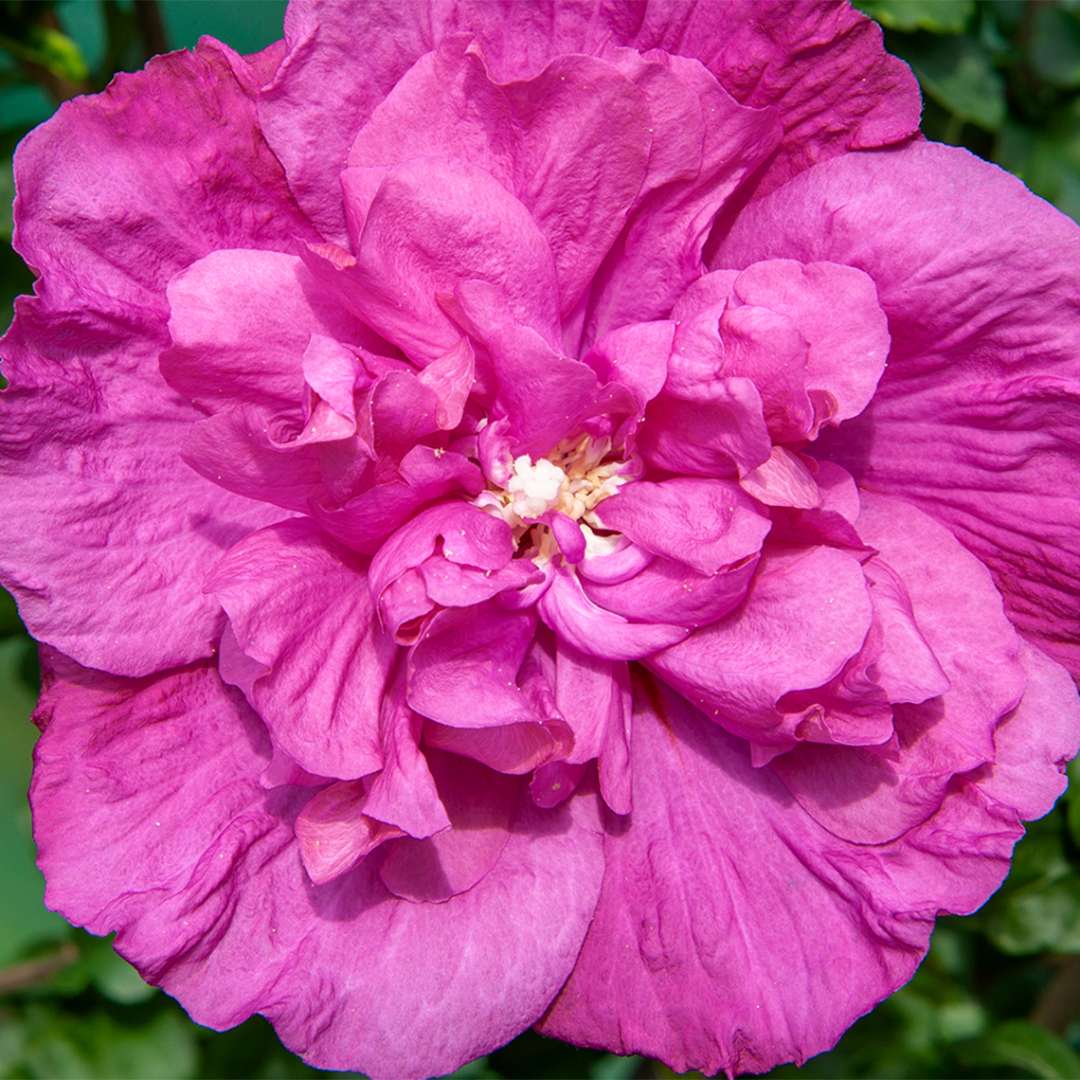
109 193
299 605
724 907
198 871
240 322
706 524
108 536
463 670
806 614
572 143
975 419
822 66
870 797
427 227
594 630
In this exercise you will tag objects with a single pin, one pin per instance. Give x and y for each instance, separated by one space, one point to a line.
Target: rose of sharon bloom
538 514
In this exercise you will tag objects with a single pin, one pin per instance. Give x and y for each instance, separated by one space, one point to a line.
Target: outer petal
107 212
125 188
977 418
724 908
300 606
198 870
571 143
822 65
806 614
868 797
107 536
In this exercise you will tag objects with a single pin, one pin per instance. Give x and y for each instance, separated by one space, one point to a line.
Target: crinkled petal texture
197 871
532 528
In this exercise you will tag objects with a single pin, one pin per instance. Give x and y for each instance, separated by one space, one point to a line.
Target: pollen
573 479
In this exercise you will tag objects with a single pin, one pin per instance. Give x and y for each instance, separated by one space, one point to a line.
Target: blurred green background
999 995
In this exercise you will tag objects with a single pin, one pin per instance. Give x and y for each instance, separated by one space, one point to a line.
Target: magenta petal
715 429
974 419
481 805
836 310
461 533
403 793
300 606
814 601
463 670
707 524
593 695
724 907
659 252
593 630
365 521
571 143
240 322
1035 741
783 480
334 833
669 591
514 749
636 356
867 797
98 502
129 154
199 873
543 394
823 67
432 226
236 450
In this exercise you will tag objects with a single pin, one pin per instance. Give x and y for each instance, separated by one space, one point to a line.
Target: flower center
572 479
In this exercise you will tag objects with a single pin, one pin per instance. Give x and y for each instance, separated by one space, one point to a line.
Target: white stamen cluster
573 479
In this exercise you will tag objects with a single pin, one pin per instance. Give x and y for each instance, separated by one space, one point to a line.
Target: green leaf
9 615
958 74
1040 916
62 1045
51 49
937 16
111 975
614 1067
1072 801
1020 1045
1047 158
480 1069
23 918
1055 45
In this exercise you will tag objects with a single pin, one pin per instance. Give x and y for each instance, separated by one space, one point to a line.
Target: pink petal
334 833
431 226
815 602
240 322
98 501
200 874
571 143
706 524
593 630
866 797
724 908
481 805
300 606
463 670
974 417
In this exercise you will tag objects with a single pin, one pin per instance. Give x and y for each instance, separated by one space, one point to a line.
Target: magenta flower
538 514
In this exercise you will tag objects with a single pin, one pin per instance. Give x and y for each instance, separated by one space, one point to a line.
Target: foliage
1000 993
